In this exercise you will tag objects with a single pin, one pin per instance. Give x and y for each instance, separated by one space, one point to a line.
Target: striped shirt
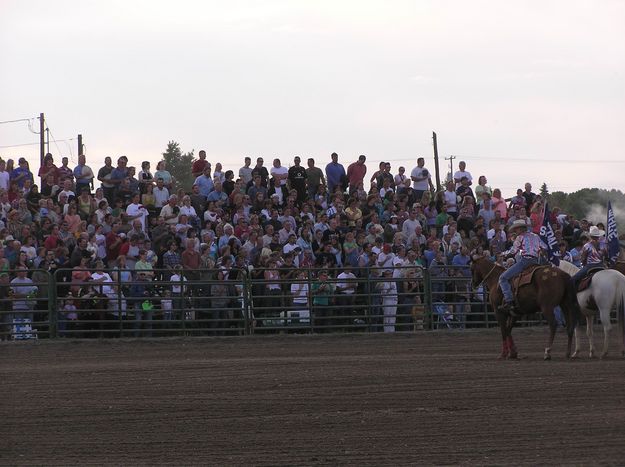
593 255
527 244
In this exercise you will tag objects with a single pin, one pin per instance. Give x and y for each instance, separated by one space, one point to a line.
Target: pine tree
179 166
544 191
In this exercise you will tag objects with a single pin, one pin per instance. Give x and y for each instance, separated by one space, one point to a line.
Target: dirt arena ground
430 398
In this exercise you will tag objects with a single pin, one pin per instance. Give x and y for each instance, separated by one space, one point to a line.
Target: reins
488 274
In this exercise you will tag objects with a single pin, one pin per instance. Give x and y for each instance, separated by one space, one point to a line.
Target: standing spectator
162 172
388 290
83 174
462 173
245 172
297 179
261 171
104 176
322 292
421 179
172 259
21 173
48 168
64 172
23 291
145 177
530 197
356 172
114 241
278 172
200 164
400 178
335 174
161 193
5 176
191 259
482 188
314 178
136 211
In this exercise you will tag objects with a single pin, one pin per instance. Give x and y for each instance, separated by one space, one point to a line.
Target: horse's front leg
512 350
503 327
577 349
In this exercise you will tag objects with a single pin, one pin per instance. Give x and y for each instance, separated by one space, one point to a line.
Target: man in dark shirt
297 179
104 176
261 171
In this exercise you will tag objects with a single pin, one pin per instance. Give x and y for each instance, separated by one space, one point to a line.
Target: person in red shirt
356 173
191 260
113 244
199 165
52 240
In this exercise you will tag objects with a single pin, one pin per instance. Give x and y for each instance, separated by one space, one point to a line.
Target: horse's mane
567 267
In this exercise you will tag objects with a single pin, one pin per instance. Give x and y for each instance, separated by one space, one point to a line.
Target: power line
34 144
19 145
18 120
508 159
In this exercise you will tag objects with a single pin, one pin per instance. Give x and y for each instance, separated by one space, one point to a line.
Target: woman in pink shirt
497 203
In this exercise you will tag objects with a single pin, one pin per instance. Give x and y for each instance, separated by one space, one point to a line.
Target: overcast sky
499 81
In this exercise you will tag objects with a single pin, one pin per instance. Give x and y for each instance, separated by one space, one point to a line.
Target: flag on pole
548 236
612 236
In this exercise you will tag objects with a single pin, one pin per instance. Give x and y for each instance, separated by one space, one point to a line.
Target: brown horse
548 288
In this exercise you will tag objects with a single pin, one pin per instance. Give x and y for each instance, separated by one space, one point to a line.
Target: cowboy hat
596 232
518 224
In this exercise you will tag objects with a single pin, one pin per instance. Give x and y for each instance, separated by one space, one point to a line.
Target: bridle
486 276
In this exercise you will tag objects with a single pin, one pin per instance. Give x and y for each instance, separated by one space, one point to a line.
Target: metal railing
124 303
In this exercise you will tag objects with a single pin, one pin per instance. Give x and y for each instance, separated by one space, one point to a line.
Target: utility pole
48 138
80 146
451 166
42 139
438 178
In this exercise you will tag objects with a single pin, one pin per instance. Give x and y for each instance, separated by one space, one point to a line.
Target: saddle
585 282
526 276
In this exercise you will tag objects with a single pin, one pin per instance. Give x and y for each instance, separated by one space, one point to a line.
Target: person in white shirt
161 194
279 173
410 224
421 178
67 189
137 211
462 173
386 257
451 200
4 176
388 290
346 287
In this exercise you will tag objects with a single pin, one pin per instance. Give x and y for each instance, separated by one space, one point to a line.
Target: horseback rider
593 255
526 247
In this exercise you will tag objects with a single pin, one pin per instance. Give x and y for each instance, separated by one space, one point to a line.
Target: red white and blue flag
612 236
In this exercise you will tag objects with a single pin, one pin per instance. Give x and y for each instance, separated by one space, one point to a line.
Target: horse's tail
620 309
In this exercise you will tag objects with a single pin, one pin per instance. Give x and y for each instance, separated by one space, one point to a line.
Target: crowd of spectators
281 225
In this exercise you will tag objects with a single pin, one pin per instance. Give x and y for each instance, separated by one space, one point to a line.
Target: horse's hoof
547 357
513 356
603 355
502 356
575 355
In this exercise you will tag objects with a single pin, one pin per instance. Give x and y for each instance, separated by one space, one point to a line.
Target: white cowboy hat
518 224
596 232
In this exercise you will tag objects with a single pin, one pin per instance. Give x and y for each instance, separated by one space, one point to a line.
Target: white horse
606 292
